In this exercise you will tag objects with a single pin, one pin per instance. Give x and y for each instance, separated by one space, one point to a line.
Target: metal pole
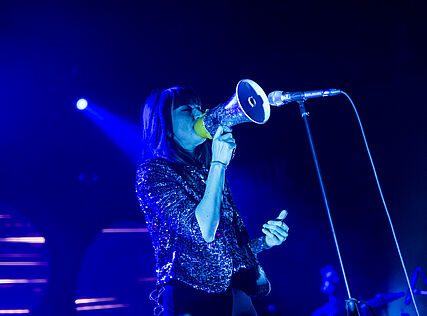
305 115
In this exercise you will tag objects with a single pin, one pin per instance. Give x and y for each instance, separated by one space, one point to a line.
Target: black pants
181 299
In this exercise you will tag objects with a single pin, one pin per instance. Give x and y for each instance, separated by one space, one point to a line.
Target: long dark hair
156 128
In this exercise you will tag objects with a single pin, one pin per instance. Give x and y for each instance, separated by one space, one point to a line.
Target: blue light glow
81 104
120 130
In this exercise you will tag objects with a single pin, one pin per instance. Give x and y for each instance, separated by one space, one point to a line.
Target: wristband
217 162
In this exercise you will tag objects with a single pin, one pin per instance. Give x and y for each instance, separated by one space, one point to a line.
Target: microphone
278 98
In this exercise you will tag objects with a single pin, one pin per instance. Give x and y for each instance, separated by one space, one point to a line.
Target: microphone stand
352 304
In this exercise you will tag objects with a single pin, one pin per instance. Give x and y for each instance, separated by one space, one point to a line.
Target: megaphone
248 104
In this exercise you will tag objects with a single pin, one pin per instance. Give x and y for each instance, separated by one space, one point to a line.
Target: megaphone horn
248 104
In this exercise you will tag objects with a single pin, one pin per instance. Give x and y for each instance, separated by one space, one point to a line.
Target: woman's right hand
223 145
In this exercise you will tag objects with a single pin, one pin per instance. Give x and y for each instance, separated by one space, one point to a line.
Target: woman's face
183 120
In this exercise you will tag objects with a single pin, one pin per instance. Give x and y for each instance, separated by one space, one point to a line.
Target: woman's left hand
276 231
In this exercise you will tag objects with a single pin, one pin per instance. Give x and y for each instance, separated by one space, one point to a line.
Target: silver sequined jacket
168 193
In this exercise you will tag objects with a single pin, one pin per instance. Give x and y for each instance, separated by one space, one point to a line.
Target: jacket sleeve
257 244
159 188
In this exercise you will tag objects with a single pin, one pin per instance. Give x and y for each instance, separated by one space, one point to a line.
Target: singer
205 262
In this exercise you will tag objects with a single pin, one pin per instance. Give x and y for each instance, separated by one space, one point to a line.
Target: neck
187 147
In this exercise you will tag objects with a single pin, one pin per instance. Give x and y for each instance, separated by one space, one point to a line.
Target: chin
198 139
201 140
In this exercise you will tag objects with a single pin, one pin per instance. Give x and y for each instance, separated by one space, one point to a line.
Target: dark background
115 53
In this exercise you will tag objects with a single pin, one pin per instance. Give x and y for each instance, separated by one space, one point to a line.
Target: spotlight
81 104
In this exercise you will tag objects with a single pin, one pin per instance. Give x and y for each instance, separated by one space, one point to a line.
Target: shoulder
154 168
152 163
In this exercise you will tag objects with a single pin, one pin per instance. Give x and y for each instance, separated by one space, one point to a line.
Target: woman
205 262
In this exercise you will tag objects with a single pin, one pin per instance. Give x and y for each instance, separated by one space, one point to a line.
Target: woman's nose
197 113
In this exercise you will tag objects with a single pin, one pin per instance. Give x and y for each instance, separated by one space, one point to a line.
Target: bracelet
216 162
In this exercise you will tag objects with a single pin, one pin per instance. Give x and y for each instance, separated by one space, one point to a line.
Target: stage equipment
417 271
382 299
333 307
279 98
352 304
248 104
81 104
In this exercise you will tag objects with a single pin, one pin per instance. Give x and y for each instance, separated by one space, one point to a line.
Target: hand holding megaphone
223 146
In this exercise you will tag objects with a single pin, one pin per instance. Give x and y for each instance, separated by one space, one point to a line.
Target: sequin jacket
168 194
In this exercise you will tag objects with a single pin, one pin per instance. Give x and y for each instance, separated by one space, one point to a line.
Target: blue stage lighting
81 104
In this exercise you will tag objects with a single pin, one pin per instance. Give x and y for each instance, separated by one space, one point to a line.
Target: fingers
278 230
227 138
226 129
275 238
282 215
275 230
223 130
278 224
223 133
269 234
223 145
218 132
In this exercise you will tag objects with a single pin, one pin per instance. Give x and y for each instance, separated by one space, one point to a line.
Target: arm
159 188
208 210
164 198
